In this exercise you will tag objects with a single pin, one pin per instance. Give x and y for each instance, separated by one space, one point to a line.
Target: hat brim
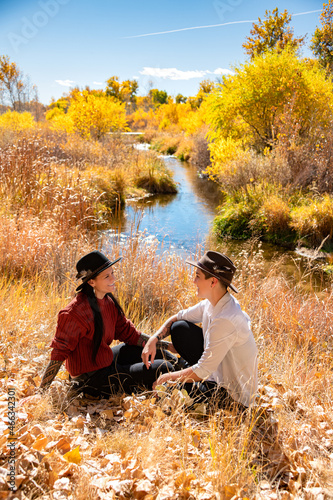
92 276
225 282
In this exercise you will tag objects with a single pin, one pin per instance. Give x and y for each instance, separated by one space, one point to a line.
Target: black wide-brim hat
218 265
90 265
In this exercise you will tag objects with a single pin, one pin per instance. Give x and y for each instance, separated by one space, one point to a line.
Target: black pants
188 341
127 373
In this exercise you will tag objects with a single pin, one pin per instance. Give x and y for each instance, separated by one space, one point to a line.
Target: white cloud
65 83
177 74
172 73
222 71
98 83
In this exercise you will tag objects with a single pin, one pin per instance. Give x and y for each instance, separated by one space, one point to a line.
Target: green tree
273 32
180 99
113 87
158 97
128 90
322 40
250 105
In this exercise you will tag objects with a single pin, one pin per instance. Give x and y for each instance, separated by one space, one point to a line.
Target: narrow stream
182 222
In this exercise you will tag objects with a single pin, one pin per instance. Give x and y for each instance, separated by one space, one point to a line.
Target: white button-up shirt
230 351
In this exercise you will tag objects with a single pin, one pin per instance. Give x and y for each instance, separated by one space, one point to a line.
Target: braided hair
98 320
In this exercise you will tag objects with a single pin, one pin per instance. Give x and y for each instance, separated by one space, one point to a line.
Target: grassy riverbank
44 169
137 447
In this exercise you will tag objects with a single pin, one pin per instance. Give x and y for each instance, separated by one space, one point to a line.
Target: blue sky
59 43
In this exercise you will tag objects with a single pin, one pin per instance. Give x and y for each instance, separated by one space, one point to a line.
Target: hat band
92 273
222 278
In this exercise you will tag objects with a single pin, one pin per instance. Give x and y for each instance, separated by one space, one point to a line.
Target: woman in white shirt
221 357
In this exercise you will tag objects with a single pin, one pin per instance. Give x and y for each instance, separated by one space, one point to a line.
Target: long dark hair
98 320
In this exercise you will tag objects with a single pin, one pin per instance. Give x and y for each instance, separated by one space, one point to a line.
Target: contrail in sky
211 26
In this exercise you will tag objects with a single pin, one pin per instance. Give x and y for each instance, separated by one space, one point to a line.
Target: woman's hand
181 376
162 379
149 352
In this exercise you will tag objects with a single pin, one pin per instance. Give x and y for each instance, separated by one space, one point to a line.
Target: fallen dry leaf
73 455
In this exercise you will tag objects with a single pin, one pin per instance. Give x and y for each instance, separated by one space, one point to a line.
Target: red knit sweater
73 340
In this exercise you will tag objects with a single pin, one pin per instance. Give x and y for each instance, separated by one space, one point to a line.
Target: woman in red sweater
87 327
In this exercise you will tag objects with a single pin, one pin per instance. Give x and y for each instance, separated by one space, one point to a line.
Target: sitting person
222 355
88 325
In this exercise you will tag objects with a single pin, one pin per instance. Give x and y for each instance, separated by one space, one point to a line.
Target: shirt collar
214 310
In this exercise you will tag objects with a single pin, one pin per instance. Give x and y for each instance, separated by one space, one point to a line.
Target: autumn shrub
275 213
309 161
313 221
200 154
148 135
240 215
192 121
168 115
151 175
166 143
233 220
185 148
141 119
264 210
12 120
233 165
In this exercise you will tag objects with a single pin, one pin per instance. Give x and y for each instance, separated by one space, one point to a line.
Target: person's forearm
143 339
50 373
181 376
164 331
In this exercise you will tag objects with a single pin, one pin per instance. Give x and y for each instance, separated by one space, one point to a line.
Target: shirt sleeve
193 314
126 331
220 338
68 333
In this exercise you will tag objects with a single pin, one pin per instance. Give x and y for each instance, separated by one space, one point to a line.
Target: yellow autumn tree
273 32
322 40
92 116
249 110
251 103
191 120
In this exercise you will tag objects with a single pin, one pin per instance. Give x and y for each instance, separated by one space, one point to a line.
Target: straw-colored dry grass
138 447
75 183
283 447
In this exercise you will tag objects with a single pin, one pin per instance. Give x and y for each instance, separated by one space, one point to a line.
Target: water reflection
181 221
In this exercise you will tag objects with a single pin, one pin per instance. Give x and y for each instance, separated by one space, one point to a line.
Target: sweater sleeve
68 333
126 331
